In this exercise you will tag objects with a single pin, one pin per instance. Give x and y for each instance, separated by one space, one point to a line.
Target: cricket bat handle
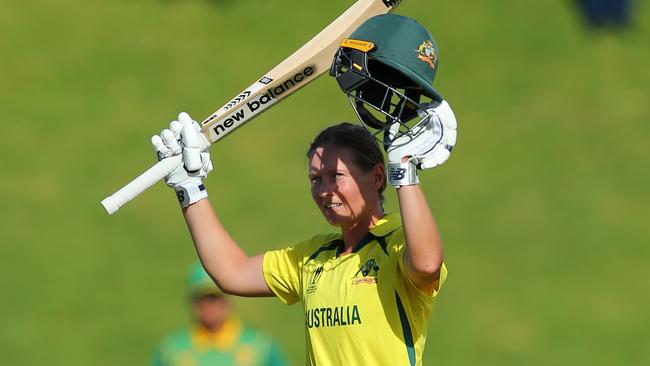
140 184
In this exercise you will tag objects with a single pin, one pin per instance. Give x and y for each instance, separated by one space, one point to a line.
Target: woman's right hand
184 137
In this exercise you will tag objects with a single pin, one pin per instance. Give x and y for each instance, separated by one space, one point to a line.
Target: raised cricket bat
303 66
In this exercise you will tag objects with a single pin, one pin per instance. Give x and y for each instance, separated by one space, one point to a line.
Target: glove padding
184 137
429 143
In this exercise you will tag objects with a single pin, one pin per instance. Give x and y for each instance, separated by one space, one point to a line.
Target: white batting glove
427 145
184 137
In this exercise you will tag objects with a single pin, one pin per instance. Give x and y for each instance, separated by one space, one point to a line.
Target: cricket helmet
199 283
386 67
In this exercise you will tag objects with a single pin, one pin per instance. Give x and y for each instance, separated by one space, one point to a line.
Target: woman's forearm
424 250
231 268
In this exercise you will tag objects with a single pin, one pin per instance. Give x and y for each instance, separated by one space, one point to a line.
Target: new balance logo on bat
259 103
290 83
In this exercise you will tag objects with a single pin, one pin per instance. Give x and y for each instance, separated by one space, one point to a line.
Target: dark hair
364 147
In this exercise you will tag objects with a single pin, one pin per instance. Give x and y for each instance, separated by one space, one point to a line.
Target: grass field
543 205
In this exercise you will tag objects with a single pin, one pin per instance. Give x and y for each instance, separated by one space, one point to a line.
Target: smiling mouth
332 205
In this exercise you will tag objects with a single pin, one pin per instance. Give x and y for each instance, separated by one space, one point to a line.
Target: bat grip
140 184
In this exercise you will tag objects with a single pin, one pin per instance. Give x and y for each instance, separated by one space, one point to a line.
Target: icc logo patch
427 53
313 281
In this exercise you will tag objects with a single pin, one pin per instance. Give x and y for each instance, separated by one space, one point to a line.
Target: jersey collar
383 227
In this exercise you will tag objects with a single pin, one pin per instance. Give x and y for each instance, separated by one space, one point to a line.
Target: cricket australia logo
367 273
427 53
313 281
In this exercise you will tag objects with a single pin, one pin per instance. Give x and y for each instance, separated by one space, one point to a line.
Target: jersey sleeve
281 269
398 248
441 281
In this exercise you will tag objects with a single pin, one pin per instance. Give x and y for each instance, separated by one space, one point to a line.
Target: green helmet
386 67
199 283
404 45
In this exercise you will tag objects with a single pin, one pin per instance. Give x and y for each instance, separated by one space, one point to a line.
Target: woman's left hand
428 144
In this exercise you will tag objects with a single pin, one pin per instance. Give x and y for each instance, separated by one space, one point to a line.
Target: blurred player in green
216 337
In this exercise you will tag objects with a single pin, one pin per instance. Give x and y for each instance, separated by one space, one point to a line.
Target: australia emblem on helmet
427 53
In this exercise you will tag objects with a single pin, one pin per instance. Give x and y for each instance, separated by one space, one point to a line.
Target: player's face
345 194
211 311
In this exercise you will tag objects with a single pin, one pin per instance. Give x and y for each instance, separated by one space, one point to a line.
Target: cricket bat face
254 100
303 66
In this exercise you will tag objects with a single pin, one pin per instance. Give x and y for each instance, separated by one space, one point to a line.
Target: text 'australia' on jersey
363 305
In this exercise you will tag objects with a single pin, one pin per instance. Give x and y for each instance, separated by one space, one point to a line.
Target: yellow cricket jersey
360 308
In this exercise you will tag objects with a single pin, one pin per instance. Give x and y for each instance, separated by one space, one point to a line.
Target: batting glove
184 137
427 145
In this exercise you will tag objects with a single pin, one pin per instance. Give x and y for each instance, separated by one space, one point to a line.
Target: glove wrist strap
402 174
188 194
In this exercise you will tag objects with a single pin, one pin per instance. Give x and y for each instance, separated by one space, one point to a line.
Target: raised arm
232 269
424 251
429 146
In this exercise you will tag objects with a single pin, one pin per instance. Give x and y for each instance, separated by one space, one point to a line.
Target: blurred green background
543 206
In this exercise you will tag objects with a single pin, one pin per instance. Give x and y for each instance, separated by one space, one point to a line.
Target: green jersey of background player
216 337
367 291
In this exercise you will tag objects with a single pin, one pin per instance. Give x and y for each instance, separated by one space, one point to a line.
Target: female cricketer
368 289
